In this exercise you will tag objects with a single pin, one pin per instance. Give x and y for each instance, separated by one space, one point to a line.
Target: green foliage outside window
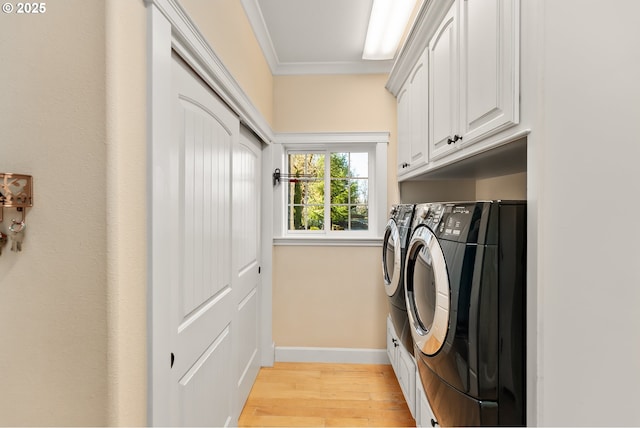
348 191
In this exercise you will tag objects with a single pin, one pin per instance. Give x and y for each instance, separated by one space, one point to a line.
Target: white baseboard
331 355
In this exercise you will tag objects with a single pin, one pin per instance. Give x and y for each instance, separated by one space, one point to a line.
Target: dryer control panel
459 222
403 216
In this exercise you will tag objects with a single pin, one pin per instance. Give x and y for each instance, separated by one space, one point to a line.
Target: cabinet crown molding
429 16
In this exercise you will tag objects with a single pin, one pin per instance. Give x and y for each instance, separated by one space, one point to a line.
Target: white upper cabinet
419 112
489 72
413 118
443 82
473 74
464 86
404 129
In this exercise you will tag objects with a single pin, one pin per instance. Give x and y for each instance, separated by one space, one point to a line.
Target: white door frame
169 27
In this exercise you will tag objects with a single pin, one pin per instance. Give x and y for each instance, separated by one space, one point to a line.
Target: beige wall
513 186
416 192
328 297
227 29
72 303
328 103
53 312
126 217
332 296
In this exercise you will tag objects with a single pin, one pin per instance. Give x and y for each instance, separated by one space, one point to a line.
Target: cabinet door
443 85
424 415
404 130
391 343
403 365
489 57
406 373
419 99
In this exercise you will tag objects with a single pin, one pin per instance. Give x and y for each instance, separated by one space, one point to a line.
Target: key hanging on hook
16 234
16 191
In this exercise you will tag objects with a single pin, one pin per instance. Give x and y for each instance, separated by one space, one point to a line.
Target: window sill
320 241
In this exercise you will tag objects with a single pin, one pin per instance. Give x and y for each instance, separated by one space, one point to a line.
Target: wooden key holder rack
16 191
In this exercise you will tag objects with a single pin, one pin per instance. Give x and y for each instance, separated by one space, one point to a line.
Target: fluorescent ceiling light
386 26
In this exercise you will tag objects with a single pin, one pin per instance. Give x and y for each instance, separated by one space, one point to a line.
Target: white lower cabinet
404 366
424 415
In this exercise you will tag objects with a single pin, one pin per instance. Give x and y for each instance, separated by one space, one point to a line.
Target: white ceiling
313 36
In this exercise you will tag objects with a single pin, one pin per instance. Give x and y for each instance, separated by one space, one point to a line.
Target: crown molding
278 68
424 26
307 68
193 47
259 27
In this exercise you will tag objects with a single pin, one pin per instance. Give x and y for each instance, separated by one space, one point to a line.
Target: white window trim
376 143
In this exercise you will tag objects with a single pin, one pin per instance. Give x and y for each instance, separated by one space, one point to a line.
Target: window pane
306 192
306 164
359 164
360 217
295 217
339 165
316 217
305 195
349 165
302 217
295 193
339 217
339 191
359 191
354 191
345 217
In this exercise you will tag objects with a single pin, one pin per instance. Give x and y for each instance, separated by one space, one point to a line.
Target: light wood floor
326 395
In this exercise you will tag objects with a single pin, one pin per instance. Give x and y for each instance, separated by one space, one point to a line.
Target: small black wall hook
276 176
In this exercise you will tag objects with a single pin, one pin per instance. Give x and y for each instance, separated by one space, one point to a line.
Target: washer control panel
436 211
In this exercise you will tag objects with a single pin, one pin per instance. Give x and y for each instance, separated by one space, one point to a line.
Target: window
345 178
333 186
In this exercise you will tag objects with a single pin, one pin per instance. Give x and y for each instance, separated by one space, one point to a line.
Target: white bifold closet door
213 319
247 160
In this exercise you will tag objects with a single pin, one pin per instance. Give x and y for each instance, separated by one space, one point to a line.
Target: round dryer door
427 291
391 258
